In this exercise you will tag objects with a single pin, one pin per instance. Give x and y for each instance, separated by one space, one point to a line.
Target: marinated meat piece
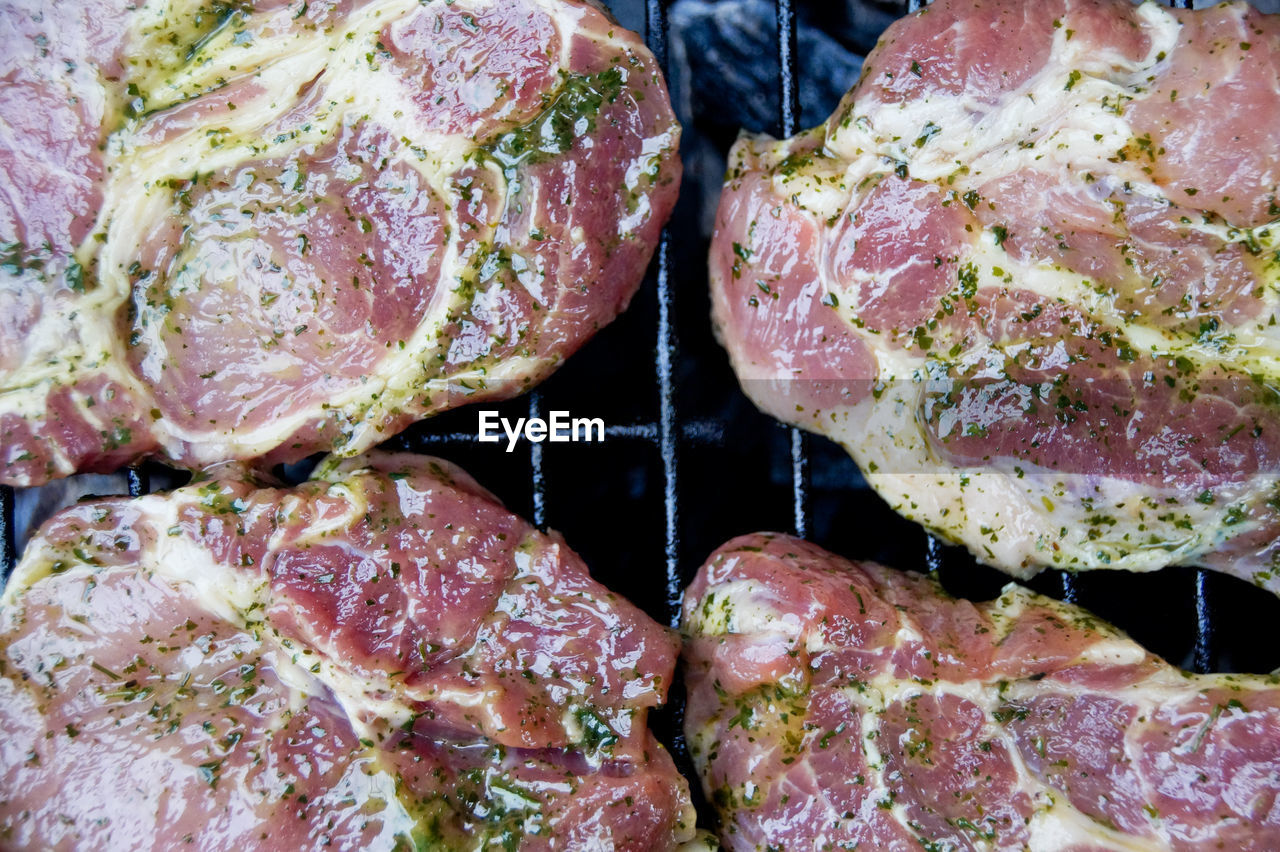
1028 275
246 230
380 658
842 705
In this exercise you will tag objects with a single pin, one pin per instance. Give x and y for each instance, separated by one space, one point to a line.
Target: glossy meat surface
841 705
380 658
1028 275
270 229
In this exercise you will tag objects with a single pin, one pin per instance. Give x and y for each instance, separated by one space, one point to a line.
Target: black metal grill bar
139 482
668 430
1203 658
655 27
789 91
8 544
800 482
1070 588
933 553
537 478
788 121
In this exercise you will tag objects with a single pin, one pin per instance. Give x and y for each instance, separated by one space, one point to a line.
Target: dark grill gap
688 463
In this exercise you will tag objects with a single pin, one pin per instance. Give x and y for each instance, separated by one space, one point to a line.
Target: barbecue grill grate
687 455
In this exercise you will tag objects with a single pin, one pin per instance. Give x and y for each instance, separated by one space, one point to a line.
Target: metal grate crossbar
8 543
788 121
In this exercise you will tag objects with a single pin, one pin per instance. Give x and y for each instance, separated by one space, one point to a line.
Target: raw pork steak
1028 275
380 658
835 705
235 230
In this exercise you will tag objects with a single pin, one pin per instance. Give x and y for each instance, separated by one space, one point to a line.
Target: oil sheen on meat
380 658
838 705
238 230
1028 275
